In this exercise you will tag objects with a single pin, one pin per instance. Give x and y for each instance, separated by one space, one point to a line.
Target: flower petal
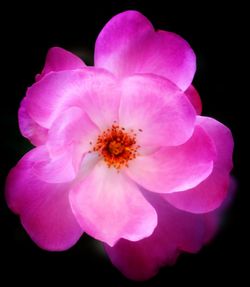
29 128
58 59
194 98
142 259
91 89
73 128
128 44
158 108
176 231
109 206
44 208
223 140
205 197
177 168
56 170
210 193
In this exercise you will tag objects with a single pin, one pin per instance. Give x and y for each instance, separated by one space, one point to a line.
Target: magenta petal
223 140
29 128
44 208
216 217
71 130
158 109
109 206
92 90
141 260
56 170
128 44
58 59
205 197
176 231
177 168
210 193
194 98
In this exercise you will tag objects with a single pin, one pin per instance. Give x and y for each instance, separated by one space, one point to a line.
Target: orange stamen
116 146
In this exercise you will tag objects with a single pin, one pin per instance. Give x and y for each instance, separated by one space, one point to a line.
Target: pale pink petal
109 206
71 130
157 110
44 208
177 168
129 44
210 193
194 98
91 89
176 231
58 59
56 170
29 128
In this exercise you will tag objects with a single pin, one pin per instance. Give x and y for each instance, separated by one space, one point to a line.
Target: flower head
121 151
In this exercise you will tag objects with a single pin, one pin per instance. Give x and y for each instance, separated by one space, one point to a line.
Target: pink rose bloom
121 151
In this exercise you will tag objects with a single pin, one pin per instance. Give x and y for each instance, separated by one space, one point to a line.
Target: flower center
117 146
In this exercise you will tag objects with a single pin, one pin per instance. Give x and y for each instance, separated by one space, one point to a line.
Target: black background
216 34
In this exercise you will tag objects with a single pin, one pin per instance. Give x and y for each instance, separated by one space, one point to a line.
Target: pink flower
121 151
